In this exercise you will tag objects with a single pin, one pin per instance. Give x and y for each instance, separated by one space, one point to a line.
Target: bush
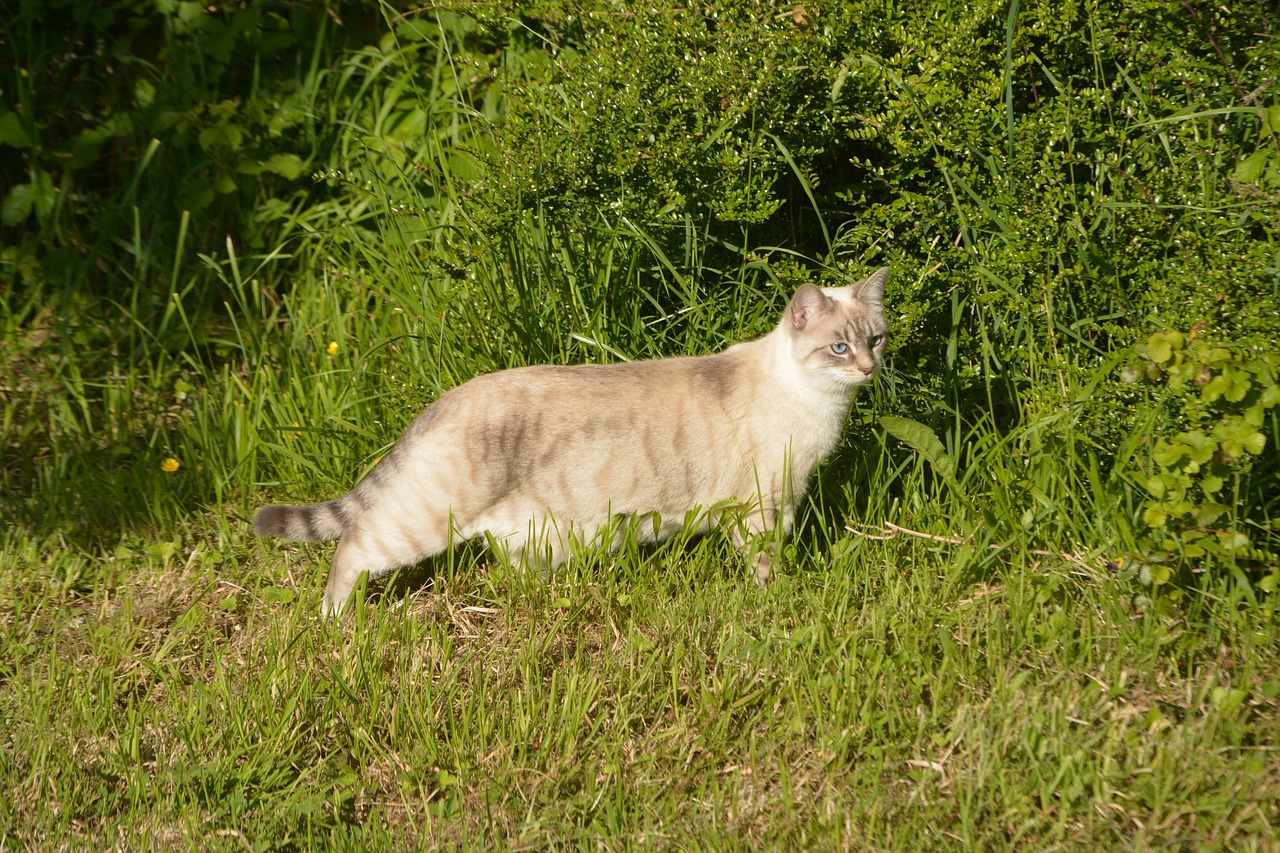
1051 184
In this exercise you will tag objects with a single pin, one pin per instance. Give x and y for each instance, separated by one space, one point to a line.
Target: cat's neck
782 384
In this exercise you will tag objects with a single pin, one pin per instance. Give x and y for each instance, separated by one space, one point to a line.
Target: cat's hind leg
362 550
759 535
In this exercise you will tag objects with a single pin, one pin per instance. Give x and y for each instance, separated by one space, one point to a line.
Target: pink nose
867 370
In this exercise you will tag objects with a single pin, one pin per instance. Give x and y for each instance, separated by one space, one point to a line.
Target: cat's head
839 333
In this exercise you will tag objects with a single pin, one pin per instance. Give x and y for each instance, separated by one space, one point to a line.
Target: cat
534 458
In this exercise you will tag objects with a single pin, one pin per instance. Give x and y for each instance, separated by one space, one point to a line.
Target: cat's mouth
857 377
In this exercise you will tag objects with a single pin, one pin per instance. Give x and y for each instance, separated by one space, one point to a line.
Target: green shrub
129 116
1199 510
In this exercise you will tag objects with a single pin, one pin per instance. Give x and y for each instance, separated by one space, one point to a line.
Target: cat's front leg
763 564
758 537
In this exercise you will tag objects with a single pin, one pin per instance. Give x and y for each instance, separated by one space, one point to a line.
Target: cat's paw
763 565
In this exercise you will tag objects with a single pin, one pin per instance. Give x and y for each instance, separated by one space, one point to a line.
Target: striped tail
314 523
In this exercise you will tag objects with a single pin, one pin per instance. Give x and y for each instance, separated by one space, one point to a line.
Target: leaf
17 204
1202 447
1227 700
275 595
923 440
1161 346
144 93
288 166
836 86
1238 437
1271 118
1166 454
12 133
1233 541
1231 383
22 199
1250 169
1155 486
224 135
1154 574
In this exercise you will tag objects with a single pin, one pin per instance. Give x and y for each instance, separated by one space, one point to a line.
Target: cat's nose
867 370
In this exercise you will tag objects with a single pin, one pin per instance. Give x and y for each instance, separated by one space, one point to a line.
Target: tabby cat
538 457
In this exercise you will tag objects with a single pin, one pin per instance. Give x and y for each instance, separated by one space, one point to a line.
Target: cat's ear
871 289
808 305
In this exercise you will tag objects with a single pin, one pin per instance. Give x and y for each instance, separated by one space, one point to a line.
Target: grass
868 699
986 675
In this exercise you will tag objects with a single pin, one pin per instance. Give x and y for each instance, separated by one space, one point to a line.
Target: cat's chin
856 380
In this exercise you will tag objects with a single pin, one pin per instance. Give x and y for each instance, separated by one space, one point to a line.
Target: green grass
959 653
867 699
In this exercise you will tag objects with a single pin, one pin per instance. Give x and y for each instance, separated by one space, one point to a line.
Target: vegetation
1031 602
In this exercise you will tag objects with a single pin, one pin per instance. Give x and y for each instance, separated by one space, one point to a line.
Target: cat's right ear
871 289
808 305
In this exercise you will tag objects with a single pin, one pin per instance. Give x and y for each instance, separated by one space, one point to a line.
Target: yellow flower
169 465
332 348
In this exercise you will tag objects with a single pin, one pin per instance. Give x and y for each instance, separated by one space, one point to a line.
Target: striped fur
538 458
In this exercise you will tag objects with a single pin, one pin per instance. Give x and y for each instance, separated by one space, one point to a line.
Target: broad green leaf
1233 541
1161 346
1238 437
1231 383
226 135
1250 169
1166 454
1155 486
922 440
1227 700
144 93
1154 574
1154 516
17 204
1271 118
12 132
286 165
1193 549
22 199
1202 447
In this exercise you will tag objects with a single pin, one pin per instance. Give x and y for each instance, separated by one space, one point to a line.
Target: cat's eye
839 348
876 339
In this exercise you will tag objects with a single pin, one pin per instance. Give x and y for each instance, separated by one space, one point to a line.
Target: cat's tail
313 523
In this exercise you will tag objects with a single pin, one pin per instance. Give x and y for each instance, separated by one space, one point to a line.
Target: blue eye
839 348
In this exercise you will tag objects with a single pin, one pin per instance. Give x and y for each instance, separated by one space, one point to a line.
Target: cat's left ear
871 289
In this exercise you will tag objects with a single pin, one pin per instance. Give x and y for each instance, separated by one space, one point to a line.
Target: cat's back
713 378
